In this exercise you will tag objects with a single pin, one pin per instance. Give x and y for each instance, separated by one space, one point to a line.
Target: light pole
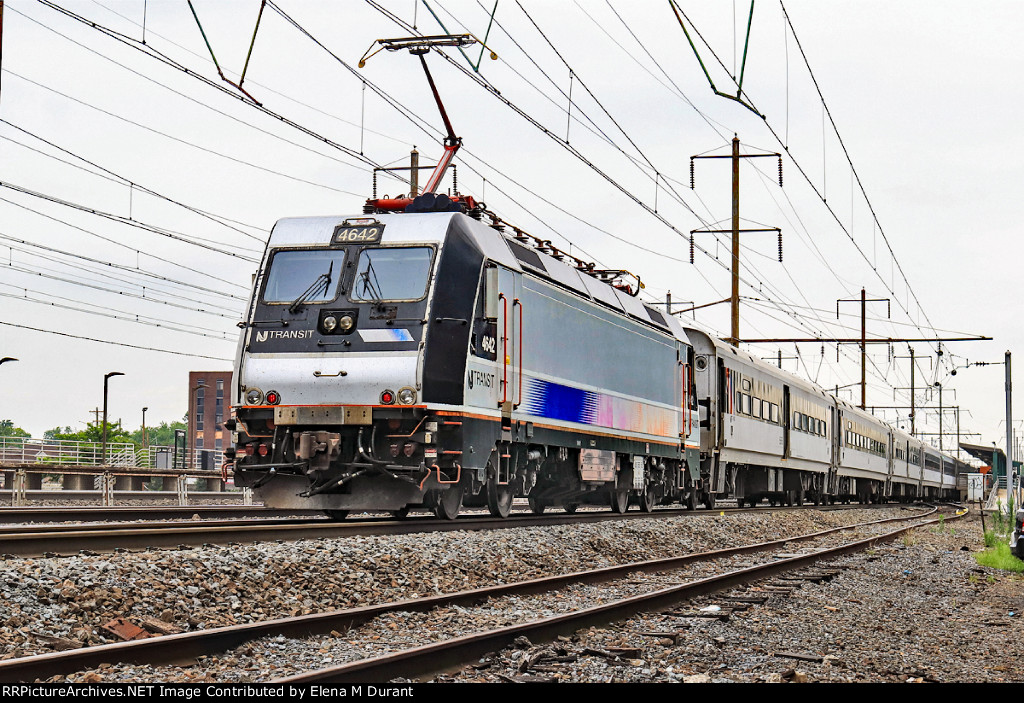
6 359
145 444
1015 486
106 379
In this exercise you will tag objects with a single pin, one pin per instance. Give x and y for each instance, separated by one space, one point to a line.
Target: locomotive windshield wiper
324 279
371 286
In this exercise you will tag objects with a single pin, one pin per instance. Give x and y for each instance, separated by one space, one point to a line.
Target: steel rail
455 653
96 495
69 540
16 515
190 645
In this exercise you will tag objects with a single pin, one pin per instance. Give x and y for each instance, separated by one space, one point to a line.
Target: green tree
52 434
161 435
7 429
93 432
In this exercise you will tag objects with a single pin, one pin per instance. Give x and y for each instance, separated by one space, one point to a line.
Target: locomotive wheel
648 499
690 501
337 514
449 503
499 499
536 506
619 500
709 501
400 514
800 497
571 507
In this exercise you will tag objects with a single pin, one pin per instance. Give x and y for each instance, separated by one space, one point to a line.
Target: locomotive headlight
254 396
345 323
406 396
330 322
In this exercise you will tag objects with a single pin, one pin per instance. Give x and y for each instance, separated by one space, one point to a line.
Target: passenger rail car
769 435
408 360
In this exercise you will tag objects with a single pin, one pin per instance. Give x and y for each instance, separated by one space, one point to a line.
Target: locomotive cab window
310 274
392 274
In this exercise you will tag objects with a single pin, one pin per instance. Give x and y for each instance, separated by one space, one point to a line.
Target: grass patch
999 557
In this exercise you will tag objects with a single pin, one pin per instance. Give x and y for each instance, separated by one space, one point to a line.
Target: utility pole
864 338
778 358
734 298
1 31
912 389
668 305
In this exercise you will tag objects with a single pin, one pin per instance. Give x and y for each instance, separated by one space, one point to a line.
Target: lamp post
106 379
6 359
145 443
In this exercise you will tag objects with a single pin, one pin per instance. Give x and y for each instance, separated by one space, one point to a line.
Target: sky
136 197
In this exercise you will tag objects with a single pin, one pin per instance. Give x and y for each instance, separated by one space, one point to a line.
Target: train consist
426 358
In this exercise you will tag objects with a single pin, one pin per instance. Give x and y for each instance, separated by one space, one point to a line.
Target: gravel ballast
47 601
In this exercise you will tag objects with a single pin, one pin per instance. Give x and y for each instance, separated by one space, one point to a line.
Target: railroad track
73 539
451 653
78 513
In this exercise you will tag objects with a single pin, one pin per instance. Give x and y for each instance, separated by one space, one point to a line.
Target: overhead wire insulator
691 247
691 177
780 171
780 246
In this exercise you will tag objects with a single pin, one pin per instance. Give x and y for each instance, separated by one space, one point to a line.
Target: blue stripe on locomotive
558 402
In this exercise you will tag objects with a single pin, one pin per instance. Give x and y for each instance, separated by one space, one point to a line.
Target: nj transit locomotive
407 360
396 361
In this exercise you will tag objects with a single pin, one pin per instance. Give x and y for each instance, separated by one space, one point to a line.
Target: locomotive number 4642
358 235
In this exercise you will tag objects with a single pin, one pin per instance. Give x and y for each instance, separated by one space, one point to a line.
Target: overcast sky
924 96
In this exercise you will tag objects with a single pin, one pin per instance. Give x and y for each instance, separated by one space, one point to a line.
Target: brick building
209 405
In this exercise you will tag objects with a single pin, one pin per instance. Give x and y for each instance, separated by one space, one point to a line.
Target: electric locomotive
426 359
